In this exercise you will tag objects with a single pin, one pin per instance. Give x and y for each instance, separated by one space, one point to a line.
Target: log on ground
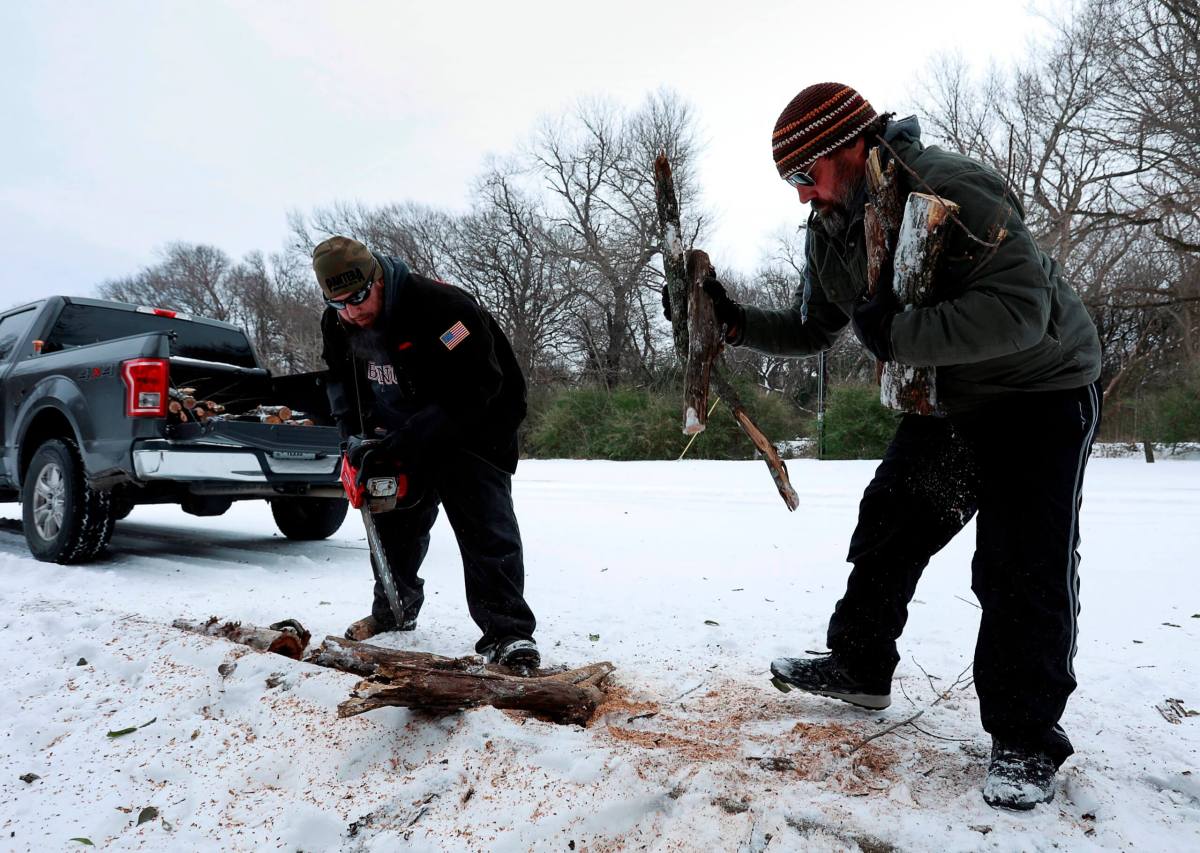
428 682
288 637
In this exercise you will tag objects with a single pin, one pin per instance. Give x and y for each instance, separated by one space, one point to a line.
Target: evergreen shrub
636 423
857 425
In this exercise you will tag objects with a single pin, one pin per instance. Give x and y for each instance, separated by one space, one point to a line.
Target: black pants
478 501
1018 465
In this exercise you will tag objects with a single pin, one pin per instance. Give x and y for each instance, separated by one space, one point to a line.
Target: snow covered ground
696 751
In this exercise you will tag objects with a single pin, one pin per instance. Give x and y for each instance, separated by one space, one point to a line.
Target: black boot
826 675
1018 778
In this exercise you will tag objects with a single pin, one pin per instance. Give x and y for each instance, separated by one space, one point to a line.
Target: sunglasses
355 298
800 179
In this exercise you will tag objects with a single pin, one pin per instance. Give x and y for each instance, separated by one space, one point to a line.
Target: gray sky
128 125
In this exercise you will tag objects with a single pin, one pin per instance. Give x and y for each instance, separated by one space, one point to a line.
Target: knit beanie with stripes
816 122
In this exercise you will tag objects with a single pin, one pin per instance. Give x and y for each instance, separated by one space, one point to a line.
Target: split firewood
674 261
705 342
698 338
288 638
910 234
283 413
435 683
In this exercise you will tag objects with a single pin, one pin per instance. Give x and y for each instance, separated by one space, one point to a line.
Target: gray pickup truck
86 434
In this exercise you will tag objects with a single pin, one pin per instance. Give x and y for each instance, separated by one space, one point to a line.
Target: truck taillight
145 387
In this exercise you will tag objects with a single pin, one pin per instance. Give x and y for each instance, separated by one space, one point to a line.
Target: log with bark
698 338
288 638
434 683
908 239
424 681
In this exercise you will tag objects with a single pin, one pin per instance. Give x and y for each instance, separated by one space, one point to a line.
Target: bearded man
1017 360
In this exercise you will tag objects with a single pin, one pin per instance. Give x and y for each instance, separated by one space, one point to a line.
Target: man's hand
872 322
727 312
730 314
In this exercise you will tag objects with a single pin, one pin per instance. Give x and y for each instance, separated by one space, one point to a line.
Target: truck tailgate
242 451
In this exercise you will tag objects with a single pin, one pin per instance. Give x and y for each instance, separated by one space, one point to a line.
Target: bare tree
504 252
1100 132
597 168
189 277
277 307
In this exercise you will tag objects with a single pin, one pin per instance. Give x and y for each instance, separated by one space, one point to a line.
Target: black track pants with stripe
1018 468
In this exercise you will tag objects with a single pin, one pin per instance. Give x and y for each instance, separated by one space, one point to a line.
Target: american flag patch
455 335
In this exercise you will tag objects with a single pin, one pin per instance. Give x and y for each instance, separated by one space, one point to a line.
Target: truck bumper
239 466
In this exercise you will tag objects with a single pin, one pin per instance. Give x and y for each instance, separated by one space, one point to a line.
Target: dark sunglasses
800 179
355 298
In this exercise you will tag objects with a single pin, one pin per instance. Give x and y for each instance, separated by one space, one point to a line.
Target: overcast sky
129 125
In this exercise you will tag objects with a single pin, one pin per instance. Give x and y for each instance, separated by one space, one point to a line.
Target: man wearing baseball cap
1017 360
419 369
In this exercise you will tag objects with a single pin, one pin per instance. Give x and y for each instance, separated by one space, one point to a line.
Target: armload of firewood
183 407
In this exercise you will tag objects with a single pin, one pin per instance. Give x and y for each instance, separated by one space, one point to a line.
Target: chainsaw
372 494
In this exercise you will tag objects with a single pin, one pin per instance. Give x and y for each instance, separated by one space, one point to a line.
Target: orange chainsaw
372 494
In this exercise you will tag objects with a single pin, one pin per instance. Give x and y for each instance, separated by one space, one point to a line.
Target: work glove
417 443
729 313
872 322
360 450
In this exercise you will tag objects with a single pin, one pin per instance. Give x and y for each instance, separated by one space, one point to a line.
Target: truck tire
65 520
309 518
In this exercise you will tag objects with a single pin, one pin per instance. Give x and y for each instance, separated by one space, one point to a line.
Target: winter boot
369 626
827 675
514 654
1018 778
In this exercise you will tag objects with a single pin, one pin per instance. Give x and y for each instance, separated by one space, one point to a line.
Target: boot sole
872 702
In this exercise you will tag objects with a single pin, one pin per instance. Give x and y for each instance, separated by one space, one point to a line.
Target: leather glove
729 313
872 323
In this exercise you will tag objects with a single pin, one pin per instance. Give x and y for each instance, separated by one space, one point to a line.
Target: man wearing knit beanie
420 374
1017 361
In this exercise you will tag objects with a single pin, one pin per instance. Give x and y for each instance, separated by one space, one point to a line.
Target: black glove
359 451
872 322
729 313
424 434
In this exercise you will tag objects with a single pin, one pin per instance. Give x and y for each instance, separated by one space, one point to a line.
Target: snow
694 751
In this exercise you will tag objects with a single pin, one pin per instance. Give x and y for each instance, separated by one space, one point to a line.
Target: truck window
79 325
12 331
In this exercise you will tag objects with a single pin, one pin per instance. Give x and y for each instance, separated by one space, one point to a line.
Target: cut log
698 338
288 638
918 247
442 690
705 341
909 235
770 453
434 683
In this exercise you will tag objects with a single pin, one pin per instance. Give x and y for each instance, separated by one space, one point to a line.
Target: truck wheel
309 518
65 520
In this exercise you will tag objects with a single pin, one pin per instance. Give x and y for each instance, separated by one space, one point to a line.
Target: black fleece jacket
447 367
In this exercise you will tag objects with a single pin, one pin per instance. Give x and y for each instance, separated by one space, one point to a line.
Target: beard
369 343
835 215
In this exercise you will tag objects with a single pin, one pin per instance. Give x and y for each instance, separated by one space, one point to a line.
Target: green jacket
1001 320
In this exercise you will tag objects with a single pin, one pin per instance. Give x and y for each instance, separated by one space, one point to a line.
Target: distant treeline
1098 130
